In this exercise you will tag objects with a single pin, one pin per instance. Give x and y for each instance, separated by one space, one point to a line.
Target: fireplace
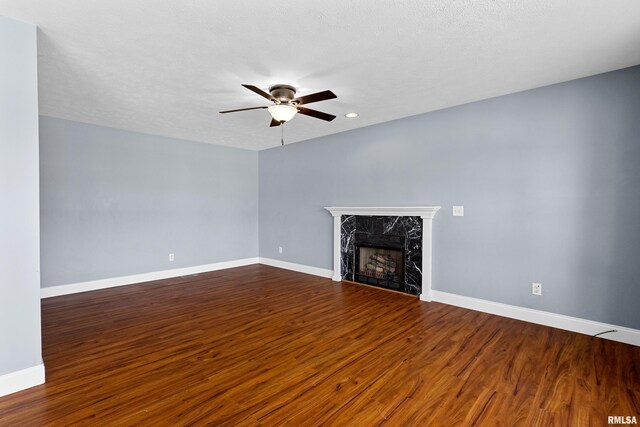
379 260
410 259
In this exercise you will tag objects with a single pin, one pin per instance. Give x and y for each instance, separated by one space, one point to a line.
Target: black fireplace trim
410 227
381 241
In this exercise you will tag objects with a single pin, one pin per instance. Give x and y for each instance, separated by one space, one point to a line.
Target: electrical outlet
458 211
172 257
279 249
536 288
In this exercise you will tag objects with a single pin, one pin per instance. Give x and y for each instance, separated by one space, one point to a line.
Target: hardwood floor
259 345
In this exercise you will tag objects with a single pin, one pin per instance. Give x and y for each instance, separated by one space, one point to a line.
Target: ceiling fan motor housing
284 93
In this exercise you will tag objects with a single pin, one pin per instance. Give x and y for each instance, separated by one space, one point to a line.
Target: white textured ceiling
168 67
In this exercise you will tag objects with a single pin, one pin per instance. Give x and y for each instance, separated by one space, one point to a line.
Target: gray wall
549 178
116 203
19 246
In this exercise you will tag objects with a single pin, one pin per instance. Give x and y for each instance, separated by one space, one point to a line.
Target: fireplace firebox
379 260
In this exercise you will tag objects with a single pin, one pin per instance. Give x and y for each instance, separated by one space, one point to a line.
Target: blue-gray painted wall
116 203
549 179
19 247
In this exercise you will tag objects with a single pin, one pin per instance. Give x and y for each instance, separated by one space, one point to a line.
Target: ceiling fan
286 106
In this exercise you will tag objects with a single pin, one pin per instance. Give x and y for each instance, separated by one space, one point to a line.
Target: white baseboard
574 324
139 278
112 282
300 268
20 380
588 327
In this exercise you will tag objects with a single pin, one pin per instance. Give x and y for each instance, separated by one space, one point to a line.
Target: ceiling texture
168 67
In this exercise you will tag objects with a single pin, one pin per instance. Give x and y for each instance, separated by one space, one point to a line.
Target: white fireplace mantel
427 213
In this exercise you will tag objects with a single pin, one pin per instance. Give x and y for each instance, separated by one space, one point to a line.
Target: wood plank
258 345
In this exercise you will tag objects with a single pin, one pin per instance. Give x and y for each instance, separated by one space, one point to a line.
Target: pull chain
282 133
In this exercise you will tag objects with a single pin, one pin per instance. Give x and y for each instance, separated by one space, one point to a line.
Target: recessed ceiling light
351 115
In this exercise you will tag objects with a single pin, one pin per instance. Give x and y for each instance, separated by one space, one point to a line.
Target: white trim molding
93 285
300 268
21 380
574 324
427 213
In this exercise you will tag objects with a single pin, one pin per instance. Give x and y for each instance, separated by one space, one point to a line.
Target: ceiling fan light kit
282 112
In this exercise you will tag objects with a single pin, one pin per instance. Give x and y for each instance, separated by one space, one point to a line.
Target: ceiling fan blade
260 92
315 97
316 114
242 109
274 122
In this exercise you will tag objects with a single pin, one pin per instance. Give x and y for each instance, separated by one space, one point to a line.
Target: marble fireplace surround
427 213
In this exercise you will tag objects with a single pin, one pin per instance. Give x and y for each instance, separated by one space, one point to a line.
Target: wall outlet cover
458 211
536 288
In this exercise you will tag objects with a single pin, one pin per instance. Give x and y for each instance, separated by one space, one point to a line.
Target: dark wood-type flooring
259 345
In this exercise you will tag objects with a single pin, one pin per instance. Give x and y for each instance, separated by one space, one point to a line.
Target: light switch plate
458 211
